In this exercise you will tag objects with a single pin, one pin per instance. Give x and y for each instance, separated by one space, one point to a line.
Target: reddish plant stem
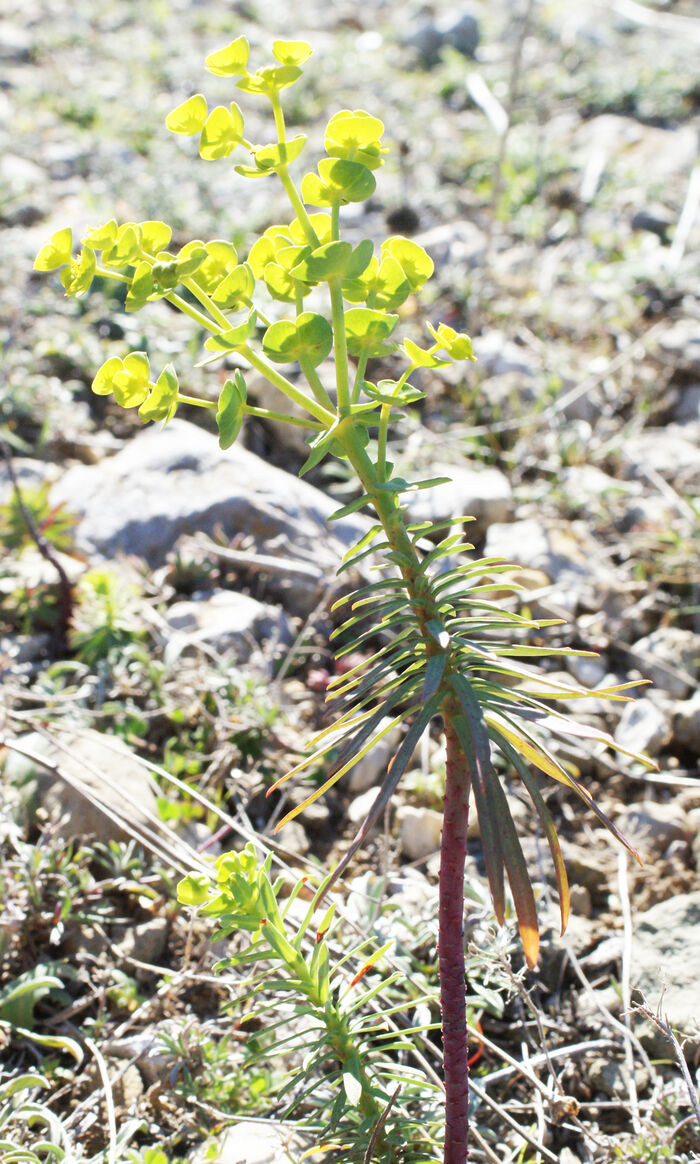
451 948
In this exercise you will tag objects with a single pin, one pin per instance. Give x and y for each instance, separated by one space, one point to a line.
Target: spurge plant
450 647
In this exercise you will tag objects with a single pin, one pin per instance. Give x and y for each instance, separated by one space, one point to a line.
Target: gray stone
669 657
567 554
102 764
665 960
528 543
499 355
165 484
30 474
589 672
463 35
652 827
20 174
32 569
145 942
606 954
226 621
631 150
672 452
594 875
360 805
686 724
612 1078
580 901
566 1156
651 513
420 830
643 727
656 219
454 244
682 342
694 817
687 410
481 493
149 1048
408 900
429 38
250 1142
16 42
293 838
586 486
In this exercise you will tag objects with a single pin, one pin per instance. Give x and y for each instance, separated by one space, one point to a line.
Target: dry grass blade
109 1100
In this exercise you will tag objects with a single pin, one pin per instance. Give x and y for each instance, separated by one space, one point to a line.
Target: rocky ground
546 155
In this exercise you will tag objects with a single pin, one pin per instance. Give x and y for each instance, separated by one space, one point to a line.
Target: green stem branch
198 316
286 387
340 346
315 384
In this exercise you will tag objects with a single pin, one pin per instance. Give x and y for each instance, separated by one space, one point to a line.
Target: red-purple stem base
451 950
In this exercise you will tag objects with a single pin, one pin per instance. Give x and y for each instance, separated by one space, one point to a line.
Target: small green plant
31 1133
308 1002
104 618
52 522
449 646
18 1000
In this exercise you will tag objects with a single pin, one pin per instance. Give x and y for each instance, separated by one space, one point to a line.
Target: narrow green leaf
434 671
473 736
395 771
518 875
538 754
352 1081
352 507
438 632
550 832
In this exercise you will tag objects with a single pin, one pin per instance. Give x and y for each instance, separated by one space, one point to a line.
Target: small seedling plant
450 647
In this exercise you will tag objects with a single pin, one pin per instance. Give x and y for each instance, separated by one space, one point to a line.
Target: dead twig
661 1022
46 550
